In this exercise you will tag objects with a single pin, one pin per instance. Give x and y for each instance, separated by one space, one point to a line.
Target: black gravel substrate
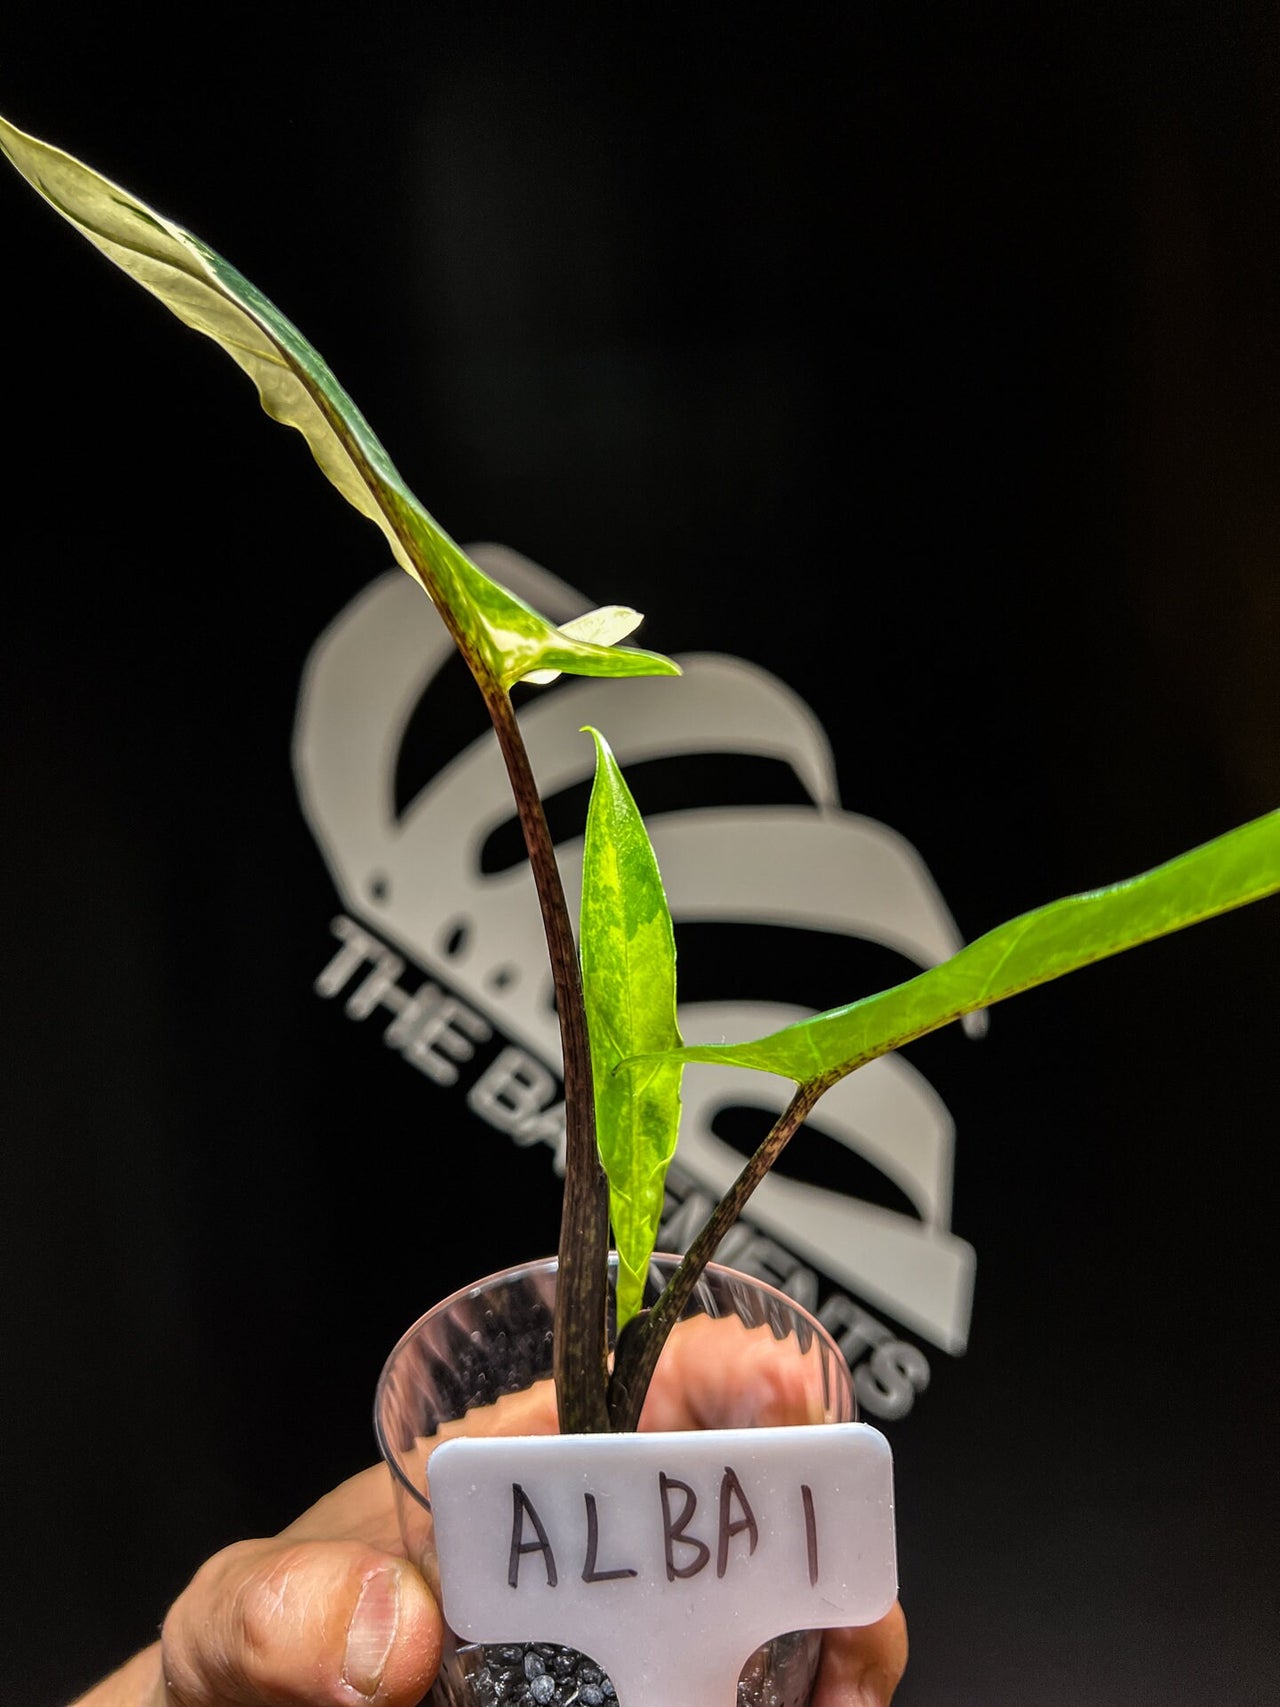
541 1674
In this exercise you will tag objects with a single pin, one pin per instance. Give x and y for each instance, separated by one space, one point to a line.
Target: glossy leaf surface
502 637
629 982
1242 866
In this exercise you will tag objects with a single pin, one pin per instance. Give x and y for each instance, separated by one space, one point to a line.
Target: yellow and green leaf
503 639
1231 871
629 984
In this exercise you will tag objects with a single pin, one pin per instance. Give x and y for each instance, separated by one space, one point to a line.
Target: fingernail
372 1630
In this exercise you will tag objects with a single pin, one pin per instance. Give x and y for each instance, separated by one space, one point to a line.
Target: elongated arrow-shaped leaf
502 637
1242 866
629 982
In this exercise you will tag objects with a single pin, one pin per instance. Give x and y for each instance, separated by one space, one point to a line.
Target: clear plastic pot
744 1356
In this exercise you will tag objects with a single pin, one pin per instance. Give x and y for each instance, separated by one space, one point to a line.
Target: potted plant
614 980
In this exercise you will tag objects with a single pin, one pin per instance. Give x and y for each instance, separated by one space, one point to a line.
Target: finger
532 1411
301 1624
719 1373
862 1668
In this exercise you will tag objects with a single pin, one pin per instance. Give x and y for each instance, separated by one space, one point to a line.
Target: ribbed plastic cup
744 1356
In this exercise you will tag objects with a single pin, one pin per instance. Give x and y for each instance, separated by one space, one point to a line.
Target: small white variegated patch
603 627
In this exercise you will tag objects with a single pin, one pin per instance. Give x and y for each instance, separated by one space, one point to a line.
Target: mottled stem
641 1345
581 1346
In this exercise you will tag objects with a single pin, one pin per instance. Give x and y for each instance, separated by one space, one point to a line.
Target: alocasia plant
615 989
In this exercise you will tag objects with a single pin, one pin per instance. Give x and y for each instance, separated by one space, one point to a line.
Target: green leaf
629 982
1242 866
502 638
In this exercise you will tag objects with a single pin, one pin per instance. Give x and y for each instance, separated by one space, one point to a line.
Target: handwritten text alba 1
668 1558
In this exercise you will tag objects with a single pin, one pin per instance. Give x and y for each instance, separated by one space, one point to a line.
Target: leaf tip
604 752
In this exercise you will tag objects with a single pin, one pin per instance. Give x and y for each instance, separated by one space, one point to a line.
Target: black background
925 355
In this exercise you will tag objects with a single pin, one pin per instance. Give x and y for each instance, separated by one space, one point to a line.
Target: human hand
329 1613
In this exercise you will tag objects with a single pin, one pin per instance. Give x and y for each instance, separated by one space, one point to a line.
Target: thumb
286 1623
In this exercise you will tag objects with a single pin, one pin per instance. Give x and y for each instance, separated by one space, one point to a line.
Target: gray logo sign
415 896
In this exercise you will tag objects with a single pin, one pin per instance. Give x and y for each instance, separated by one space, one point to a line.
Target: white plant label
667 1558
